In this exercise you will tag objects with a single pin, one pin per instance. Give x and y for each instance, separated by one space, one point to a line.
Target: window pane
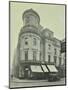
55 51
34 41
55 58
49 46
49 57
34 55
26 43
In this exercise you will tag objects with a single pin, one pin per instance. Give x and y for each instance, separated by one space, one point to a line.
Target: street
29 83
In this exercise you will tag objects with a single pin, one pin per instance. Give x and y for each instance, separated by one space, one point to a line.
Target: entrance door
26 73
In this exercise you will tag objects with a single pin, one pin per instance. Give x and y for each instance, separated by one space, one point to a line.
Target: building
37 47
63 58
63 50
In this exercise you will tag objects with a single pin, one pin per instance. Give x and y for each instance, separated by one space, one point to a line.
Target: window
55 51
26 55
40 55
49 46
59 60
34 41
26 38
55 58
59 52
34 55
26 43
49 57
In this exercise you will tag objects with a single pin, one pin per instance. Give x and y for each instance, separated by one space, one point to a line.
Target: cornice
30 29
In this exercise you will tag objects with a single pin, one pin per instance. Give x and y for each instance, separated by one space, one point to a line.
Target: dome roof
31 11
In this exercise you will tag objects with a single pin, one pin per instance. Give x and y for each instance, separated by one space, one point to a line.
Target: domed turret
30 17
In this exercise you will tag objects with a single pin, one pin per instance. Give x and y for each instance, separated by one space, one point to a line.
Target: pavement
25 80
16 83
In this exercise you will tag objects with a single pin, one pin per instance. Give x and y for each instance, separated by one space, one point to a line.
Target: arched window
49 46
26 41
55 51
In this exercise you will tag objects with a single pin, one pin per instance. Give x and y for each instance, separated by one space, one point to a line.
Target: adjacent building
63 58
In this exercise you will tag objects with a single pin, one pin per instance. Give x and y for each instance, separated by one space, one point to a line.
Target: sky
51 17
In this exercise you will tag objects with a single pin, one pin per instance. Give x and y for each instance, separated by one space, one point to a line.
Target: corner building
36 48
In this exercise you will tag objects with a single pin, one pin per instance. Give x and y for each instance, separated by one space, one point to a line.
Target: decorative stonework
34 41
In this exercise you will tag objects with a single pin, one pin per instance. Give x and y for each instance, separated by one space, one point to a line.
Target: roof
47 30
31 11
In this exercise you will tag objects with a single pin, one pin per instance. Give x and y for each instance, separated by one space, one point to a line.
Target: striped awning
36 68
44 68
52 68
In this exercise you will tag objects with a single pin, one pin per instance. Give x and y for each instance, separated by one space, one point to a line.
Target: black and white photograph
37 44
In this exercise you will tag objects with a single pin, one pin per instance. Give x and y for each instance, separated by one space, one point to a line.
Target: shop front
53 73
33 71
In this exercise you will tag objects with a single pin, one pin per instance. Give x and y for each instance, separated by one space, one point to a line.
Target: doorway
26 72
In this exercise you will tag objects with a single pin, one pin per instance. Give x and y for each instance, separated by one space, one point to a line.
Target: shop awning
44 68
52 68
36 68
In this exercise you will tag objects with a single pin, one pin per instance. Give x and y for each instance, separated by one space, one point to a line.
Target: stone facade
35 44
